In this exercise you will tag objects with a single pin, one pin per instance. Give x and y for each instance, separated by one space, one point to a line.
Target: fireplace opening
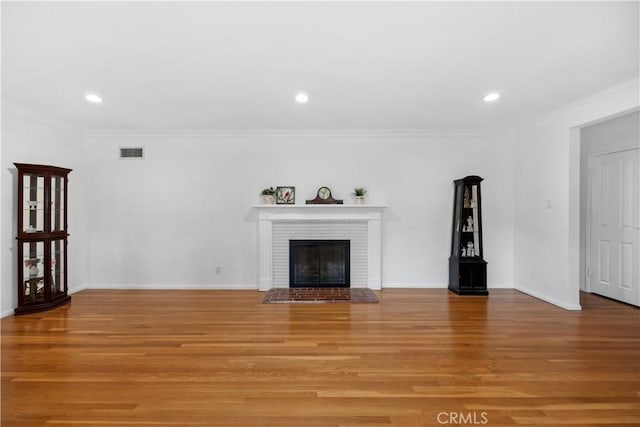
319 263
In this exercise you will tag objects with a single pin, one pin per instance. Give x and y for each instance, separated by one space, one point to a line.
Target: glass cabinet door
471 246
33 257
58 263
455 246
33 203
57 203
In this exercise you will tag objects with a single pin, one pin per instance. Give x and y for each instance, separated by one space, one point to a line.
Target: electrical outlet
218 269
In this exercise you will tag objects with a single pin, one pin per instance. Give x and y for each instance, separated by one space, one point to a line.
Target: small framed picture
286 195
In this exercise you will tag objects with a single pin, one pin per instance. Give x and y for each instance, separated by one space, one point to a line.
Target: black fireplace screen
319 263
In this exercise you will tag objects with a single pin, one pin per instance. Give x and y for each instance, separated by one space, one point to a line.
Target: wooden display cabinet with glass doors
42 237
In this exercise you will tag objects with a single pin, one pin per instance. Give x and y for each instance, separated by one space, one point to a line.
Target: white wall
547 196
168 220
616 134
30 139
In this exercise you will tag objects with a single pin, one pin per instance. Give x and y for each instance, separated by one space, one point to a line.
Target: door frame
589 214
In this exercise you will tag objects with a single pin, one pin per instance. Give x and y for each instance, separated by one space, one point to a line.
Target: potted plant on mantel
360 195
268 196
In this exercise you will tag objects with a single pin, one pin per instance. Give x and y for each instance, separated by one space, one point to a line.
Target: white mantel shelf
327 206
318 212
371 215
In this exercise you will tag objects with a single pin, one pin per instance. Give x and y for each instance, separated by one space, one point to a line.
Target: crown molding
629 89
33 116
301 133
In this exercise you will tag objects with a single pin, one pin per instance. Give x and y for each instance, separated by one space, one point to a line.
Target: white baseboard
413 286
548 299
501 286
78 289
6 313
252 286
255 286
437 286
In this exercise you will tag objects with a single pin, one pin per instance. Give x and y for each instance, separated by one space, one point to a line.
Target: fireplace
360 224
319 263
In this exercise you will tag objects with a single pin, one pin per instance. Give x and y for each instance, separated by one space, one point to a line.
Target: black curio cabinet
467 267
42 237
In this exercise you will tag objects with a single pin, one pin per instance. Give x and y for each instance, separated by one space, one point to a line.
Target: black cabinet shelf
467 267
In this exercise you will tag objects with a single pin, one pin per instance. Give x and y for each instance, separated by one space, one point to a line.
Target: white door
614 253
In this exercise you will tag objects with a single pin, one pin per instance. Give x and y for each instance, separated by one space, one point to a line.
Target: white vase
33 271
360 200
268 199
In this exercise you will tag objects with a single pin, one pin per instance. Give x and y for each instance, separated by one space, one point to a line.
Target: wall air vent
131 153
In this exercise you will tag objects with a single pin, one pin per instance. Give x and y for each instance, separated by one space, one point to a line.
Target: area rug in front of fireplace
320 296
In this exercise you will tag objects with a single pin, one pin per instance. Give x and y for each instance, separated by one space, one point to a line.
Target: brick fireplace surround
361 224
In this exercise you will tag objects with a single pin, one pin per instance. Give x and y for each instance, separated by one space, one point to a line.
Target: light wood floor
221 358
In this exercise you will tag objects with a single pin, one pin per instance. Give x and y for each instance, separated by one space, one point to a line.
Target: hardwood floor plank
418 358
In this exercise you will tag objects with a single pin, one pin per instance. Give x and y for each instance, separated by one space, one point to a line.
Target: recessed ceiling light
302 98
92 97
491 97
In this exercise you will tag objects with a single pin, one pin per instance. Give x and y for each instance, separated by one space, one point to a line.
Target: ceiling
365 65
